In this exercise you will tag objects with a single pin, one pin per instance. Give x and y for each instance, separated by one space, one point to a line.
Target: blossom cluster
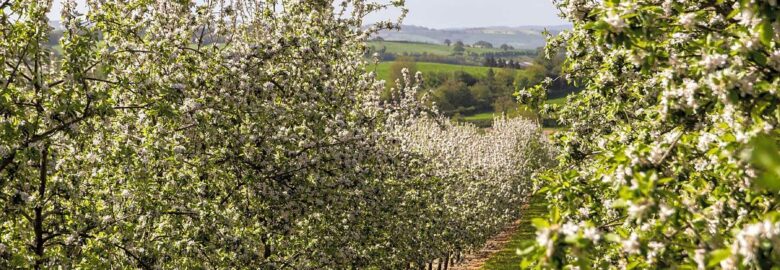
673 147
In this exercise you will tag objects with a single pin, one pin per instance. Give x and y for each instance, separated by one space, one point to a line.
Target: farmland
383 69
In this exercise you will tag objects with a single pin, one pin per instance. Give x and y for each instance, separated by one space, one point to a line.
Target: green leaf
525 264
766 156
540 223
716 256
766 33
612 237
525 251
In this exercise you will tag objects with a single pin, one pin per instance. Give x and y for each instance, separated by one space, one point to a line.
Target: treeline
503 63
463 93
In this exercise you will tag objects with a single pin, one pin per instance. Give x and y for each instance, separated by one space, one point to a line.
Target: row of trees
672 158
142 146
480 44
502 63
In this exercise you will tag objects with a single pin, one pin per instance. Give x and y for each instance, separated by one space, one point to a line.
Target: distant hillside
523 37
409 47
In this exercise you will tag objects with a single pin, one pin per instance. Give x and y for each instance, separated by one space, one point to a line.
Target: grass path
501 251
508 258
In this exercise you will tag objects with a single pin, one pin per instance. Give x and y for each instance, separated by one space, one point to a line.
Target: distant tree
396 69
504 104
483 44
459 48
447 42
396 73
489 62
506 47
453 96
465 77
490 76
482 96
378 38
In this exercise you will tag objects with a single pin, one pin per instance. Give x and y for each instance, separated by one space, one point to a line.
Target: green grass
420 48
557 101
508 258
480 117
383 69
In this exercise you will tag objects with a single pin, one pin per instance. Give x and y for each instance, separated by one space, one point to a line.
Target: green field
557 101
480 117
383 69
420 48
507 258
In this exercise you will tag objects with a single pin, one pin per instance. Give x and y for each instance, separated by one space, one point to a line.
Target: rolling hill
523 37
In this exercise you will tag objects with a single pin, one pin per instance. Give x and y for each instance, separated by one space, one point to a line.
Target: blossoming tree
672 158
231 134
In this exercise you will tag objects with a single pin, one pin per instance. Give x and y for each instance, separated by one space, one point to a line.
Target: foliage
670 160
397 69
146 146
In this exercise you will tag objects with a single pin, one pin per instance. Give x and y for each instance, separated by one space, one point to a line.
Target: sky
443 14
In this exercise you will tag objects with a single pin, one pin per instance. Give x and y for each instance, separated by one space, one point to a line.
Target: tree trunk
447 262
38 223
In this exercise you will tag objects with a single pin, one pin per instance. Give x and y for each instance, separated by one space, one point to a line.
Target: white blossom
631 245
688 20
616 21
592 233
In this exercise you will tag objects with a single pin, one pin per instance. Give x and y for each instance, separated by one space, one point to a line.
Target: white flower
24 196
657 153
729 263
126 193
631 245
544 238
705 139
655 249
636 210
688 20
3 248
584 212
699 258
774 59
71 239
570 228
614 20
714 61
592 233
667 6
